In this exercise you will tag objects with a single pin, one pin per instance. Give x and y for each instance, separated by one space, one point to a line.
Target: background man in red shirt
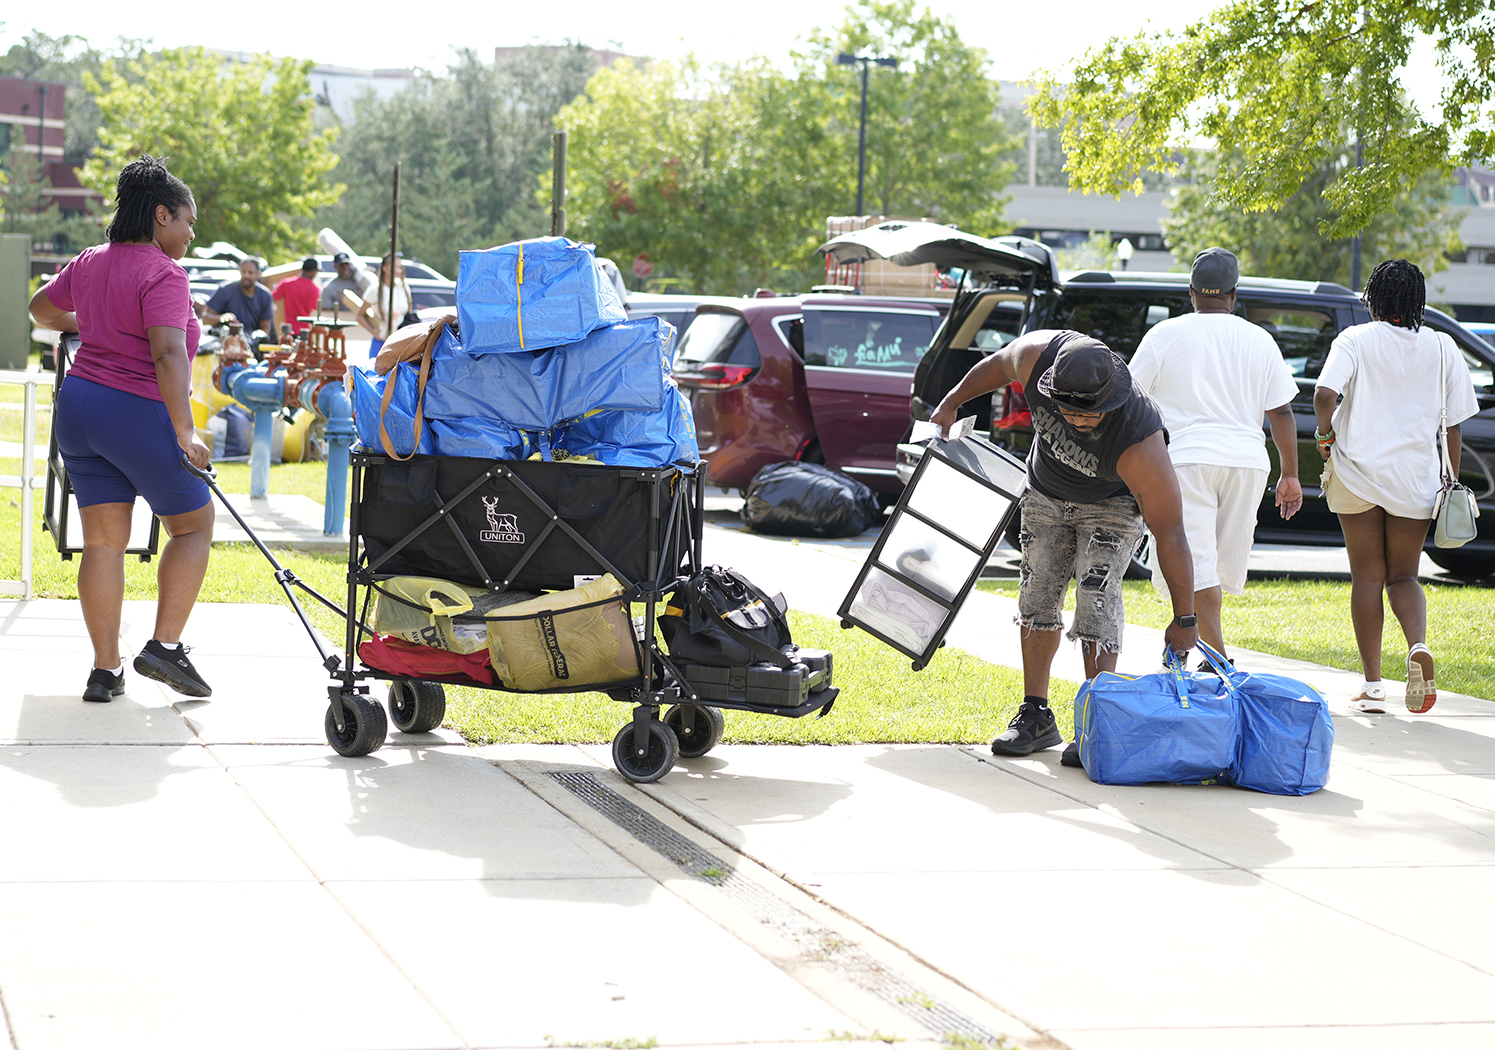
300 295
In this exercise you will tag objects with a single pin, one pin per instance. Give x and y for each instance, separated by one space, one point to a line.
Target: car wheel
1468 564
1138 569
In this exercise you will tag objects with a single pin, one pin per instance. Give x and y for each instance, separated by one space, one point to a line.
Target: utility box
15 280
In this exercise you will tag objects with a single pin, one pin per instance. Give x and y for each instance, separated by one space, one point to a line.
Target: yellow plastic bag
430 624
574 639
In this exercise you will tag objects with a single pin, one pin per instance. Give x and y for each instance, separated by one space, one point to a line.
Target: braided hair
1396 293
142 185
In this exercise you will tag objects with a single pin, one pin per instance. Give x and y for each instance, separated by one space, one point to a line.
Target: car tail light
714 376
1014 409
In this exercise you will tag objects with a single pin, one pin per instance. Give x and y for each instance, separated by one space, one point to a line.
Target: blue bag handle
1216 659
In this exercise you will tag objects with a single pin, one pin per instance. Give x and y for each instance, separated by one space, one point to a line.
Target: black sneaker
1032 729
1071 756
103 686
172 667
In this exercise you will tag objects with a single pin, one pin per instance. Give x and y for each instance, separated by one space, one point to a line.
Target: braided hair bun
142 185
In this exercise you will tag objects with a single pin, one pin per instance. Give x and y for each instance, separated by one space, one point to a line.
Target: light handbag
1455 509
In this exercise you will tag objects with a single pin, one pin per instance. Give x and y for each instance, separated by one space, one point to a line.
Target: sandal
1422 693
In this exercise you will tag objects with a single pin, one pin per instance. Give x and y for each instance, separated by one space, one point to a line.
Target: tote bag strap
1447 465
420 397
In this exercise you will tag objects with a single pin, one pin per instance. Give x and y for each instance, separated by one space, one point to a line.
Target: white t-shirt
1386 428
1214 376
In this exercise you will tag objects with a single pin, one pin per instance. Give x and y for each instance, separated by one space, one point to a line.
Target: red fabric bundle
394 656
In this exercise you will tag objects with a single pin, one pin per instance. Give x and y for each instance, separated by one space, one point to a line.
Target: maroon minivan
822 378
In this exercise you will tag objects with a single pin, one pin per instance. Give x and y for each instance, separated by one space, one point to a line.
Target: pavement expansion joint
814 941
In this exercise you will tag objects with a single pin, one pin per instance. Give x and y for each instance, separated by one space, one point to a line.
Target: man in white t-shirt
1215 375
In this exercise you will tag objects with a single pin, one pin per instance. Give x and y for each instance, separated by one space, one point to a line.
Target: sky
1020 38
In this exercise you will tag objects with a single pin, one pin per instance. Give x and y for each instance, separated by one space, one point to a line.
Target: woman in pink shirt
124 420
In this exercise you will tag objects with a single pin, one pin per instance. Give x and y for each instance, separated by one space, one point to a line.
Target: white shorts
1219 510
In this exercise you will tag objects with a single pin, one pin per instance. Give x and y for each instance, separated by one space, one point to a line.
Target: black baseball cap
341 257
308 264
1086 377
1215 272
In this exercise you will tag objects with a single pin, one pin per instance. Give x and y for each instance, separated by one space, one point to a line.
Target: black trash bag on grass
807 499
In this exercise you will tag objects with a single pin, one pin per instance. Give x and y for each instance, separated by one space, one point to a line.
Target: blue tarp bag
477 438
624 367
399 421
1171 727
1287 735
532 295
637 439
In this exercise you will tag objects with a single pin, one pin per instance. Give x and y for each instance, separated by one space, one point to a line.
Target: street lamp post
846 59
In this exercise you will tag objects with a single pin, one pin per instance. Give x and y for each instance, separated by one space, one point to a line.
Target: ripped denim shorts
1088 542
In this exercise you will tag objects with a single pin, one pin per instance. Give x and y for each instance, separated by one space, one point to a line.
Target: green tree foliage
937 145
1272 83
238 133
1287 242
66 59
723 176
708 173
26 207
471 146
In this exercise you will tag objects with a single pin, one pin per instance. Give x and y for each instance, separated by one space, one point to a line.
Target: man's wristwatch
1187 620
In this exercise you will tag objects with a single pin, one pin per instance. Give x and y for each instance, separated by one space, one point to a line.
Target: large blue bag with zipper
637 439
532 295
623 367
1287 735
1171 727
399 420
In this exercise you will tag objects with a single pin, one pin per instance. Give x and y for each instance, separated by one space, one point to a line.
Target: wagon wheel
416 706
698 727
363 726
658 758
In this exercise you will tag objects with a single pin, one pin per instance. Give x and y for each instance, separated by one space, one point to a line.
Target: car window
1000 327
792 331
718 338
1118 321
882 340
1303 336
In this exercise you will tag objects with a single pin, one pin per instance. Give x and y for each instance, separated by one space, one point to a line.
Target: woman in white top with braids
1382 470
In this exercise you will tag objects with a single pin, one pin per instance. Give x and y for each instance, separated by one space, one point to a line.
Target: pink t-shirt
118 291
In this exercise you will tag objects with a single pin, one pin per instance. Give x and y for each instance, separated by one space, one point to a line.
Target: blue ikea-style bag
399 421
637 439
477 438
623 367
1287 734
532 295
1170 727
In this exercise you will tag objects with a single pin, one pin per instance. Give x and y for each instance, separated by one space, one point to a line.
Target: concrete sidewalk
191 874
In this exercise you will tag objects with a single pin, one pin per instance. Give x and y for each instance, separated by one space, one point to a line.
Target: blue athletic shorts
117 445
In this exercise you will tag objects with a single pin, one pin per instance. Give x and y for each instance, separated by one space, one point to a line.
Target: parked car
1303 317
820 378
679 310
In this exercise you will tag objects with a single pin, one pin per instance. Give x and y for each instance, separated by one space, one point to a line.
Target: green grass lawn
958 698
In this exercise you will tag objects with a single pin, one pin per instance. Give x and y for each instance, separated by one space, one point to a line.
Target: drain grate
813 940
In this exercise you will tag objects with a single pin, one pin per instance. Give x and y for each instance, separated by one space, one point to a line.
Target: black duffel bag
720 618
807 499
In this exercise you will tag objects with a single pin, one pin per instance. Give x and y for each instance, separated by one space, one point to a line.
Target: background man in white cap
1214 375
1098 470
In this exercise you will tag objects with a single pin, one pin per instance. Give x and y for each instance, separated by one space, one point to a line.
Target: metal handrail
26 482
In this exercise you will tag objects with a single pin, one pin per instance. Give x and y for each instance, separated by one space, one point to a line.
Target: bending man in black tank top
1099 476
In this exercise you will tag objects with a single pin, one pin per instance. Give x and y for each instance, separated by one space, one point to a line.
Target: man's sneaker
1422 693
1032 729
172 667
1071 756
103 686
1372 702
